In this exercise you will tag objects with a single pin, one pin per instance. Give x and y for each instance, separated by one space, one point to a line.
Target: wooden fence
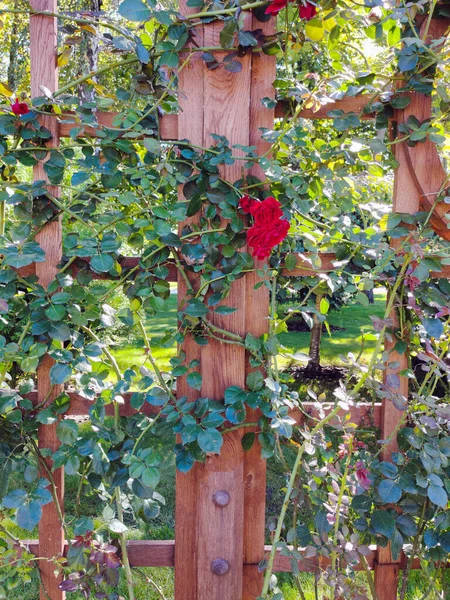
218 545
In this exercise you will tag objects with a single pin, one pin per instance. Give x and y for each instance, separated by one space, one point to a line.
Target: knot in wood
220 566
221 498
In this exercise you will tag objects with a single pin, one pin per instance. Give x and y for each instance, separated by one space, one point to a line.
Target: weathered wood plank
43 51
190 126
263 73
161 553
362 415
169 123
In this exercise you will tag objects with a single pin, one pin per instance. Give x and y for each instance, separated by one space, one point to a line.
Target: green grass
353 319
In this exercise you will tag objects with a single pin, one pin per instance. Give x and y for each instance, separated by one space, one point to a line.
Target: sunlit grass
354 320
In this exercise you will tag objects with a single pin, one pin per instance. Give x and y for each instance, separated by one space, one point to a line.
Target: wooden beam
363 414
161 553
169 123
304 267
44 72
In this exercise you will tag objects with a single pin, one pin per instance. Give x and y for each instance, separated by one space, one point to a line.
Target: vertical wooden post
209 537
262 76
43 49
418 164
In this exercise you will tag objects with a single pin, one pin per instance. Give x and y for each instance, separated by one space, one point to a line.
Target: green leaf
248 439
227 34
134 10
433 327
29 515
437 495
67 431
117 526
383 523
210 440
150 477
14 499
194 380
102 263
83 525
60 373
389 491
56 312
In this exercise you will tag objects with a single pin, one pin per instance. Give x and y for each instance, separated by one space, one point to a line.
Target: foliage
119 196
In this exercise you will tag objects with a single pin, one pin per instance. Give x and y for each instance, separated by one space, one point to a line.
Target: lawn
351 320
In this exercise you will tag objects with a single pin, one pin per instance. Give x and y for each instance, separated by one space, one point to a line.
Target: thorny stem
338 507
380 340
287 497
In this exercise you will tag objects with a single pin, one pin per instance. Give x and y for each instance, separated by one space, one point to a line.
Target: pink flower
362 475
19 108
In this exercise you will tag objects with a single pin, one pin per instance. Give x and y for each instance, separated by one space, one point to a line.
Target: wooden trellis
219 538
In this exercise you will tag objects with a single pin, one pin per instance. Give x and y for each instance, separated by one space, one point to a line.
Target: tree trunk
89 53
13 54
316 336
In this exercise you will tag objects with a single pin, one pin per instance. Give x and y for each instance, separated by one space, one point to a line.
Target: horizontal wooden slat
169 123
361 415
304 267
142 553
160 553
354 104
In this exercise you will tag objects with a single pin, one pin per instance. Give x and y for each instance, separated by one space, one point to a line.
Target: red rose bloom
275 7
246 203
19 108
267 211
307 11
262 238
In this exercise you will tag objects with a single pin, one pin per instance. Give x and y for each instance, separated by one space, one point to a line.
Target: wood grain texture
263 73
420 174
190 126
161 553
169 123
43 51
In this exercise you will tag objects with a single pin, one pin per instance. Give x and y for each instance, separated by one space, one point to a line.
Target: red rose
267 211
263 237
275 6
19 108
307 11
246 203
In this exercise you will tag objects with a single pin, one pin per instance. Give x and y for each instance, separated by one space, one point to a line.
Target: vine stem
389 307
225 11
338 507
123 546
117 496
369 577
287 497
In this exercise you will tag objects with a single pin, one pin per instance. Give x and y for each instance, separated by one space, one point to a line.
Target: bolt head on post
221 498
220 566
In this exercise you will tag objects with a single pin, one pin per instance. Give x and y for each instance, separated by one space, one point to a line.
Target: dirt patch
298 324
320 373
